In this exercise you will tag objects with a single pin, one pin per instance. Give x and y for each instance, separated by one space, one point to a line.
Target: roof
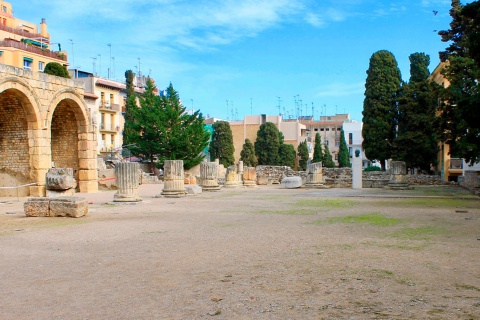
110 84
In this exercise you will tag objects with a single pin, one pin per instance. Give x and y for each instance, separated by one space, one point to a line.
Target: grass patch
439 203
419 233
373 218
326 203
290 212
467 287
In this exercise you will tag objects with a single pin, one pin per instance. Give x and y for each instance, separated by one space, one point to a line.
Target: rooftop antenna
94 65
279 102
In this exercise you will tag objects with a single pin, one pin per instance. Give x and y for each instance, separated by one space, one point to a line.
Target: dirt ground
264 253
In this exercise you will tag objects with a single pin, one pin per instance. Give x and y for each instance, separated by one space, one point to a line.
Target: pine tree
327 156
247 155
267 144
317 150
303 156
286 155
380 106
343 155
221 145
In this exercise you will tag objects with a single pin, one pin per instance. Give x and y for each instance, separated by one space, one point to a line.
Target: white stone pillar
209 176
357 182
314 175
127 179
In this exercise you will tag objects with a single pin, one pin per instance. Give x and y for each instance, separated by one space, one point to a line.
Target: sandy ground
264 253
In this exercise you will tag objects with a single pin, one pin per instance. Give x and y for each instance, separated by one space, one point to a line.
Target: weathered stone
249 177
127 178
232 178
398 179
60 193
291 182
193 189
357 173
174 185
74 207
314 175
60 179
37 207
209 176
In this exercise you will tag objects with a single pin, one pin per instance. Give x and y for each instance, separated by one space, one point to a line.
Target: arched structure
44 122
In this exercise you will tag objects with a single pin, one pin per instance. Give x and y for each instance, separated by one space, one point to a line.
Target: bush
372 168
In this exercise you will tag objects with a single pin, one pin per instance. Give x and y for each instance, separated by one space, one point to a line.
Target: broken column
127 178
173 179
398 176
232 178
314 175
209 176
60 182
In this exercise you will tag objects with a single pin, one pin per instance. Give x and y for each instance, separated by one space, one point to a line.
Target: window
337 144
4 21
327 129
111 98
322 129
27 63
316 129
4 8
336 156
102 98
350 152
41 66
326 142
350 138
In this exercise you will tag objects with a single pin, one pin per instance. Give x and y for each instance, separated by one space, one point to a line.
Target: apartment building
25 45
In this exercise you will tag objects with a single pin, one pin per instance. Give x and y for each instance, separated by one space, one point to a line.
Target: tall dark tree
131 128
460 110
317 150
286 155
302 156
416 141
56 69
221 145
343 155
247 155
267 144
380 106
327 157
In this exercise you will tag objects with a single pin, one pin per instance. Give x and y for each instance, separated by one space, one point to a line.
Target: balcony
109 128
20 32
111 108
33 49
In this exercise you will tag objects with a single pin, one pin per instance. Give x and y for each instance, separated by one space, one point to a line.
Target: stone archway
18 121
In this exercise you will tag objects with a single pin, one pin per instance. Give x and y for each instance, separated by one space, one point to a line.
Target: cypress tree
303 156
221 145
247 155
343 155
380 106
267 144
317 150
327 156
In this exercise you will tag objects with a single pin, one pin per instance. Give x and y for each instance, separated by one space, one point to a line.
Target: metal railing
32 49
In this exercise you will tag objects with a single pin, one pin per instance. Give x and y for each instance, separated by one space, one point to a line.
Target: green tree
286 155
380 106
317 150
247 155
131 129
343 155
416 141
327 156
302 156
56 69
221 145
460 112
267 144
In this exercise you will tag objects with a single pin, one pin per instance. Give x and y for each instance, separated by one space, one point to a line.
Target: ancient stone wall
64 136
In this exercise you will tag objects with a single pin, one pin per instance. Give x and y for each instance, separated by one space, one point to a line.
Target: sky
230 58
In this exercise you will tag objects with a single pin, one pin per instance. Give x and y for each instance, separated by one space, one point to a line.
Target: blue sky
231 58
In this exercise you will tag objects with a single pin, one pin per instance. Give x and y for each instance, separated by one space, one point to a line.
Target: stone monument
398 179
232 178
209 176
127 178
314 175
174 179
357 182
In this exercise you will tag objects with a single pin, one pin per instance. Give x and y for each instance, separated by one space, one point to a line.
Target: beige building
24 45
292 130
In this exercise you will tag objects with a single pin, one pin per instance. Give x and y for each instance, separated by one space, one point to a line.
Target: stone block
37 191
193 189
88 186
87 175
291 182
74 207
87 164
37 207
60 179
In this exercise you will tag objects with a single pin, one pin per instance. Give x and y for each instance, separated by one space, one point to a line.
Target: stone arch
20 118
72 138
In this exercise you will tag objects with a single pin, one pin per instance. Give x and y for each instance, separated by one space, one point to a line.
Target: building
24 45
450 166
292 130
354 139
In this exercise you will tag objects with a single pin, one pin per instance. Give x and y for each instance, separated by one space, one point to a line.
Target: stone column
398 179
314 175
231 178
250 177
209 176
127 179
357 182
60 182
173 179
